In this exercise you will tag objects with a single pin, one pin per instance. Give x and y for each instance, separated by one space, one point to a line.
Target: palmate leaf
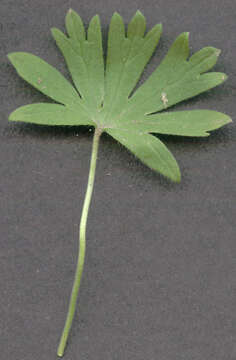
102 97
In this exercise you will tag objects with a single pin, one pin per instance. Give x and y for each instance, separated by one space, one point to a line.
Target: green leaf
184 123
150 150
106 96
50 114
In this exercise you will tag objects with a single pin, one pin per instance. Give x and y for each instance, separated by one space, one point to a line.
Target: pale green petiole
82 245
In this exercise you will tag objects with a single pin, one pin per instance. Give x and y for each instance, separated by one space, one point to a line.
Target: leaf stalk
82 245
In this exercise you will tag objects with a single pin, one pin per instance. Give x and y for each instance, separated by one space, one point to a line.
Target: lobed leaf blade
105 99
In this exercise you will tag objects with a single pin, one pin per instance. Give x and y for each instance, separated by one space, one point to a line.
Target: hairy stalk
82 245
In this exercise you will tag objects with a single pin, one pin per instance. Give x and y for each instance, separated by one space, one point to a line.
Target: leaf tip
10 56
13 57
174 177
54 31
178 180
11 116
157 28
72 15
183 38
225 120
217 52
116 15
95 20
117 24
224 77
177 177
70 11
160 27
140 14
186 35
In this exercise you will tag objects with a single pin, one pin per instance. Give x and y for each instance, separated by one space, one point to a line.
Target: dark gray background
160 271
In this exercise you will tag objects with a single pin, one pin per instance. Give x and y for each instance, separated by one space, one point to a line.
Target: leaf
107 97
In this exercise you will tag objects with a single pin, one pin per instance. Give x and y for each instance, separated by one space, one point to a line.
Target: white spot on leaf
164 99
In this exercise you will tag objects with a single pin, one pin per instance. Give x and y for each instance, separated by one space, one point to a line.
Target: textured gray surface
160 272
